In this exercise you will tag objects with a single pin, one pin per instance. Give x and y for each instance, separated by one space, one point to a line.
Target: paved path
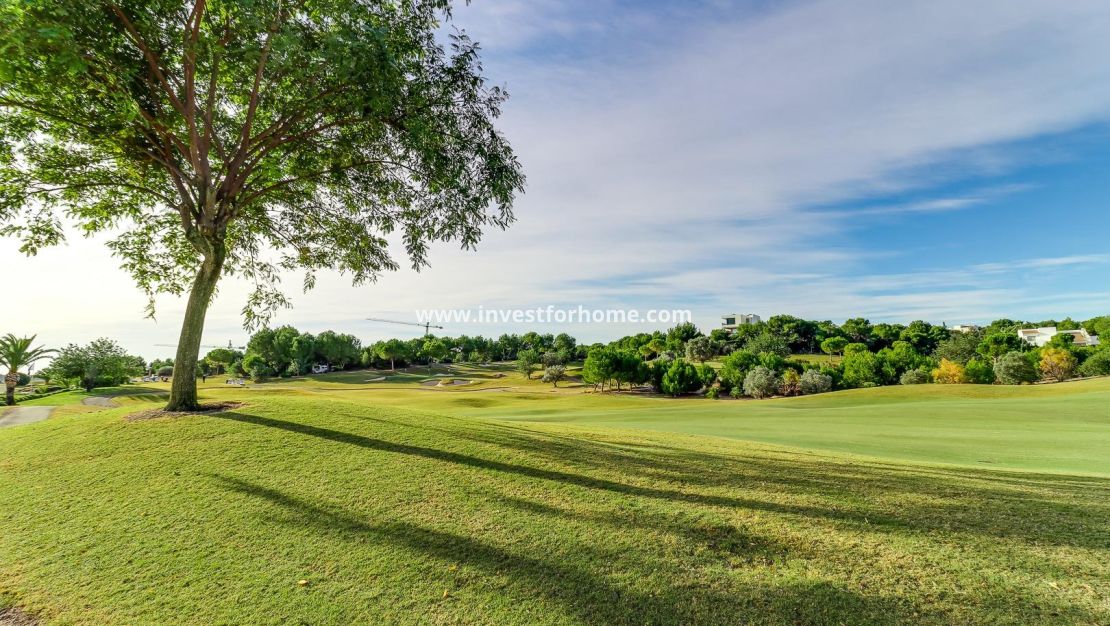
99 401
17 415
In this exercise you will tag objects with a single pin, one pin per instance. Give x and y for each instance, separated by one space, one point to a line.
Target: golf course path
103 401
18 415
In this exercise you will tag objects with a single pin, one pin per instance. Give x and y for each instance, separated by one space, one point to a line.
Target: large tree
392 349
216 137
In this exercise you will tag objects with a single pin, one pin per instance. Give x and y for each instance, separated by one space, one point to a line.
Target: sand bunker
454 382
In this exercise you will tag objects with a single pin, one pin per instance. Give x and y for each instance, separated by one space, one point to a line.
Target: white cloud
689 153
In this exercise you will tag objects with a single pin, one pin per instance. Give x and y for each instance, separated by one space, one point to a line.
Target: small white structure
731 321
965 328
1041 336
319 369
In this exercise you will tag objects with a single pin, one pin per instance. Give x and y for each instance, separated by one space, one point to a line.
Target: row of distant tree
757 358
285 351
872 354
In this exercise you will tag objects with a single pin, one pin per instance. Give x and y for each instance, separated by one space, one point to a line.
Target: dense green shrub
899 358
735 367
959 347
836 373
712 393
915 377
701 349
995 345
1015 368
681 377
979 372
769 343
791 383
761 383
256 367
656 370
1097 364
707 374
862 367
813 381
774 362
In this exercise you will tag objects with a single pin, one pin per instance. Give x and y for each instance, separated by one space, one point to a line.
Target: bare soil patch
12 616
205 409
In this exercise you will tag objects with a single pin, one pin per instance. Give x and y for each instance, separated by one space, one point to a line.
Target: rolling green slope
1052 428
396 516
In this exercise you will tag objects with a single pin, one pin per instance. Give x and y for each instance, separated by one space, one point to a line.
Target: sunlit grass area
1053 428
507 501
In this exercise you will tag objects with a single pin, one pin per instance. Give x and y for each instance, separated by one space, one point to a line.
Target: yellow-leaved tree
949 373
1057 364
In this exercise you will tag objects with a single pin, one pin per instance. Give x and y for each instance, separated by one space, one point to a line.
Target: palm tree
16 352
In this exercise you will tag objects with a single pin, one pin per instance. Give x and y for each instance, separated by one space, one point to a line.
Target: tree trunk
183 389
10 381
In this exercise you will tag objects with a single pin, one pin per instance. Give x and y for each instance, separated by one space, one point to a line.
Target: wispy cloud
934 205
718 153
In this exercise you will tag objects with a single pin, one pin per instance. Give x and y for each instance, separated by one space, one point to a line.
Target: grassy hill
443 515
1050 428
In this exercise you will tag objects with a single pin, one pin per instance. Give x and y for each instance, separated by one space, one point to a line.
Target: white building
965 328
1041 336
731 321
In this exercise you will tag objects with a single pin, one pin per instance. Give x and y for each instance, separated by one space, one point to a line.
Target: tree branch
288 181
153 62
158 194
252 106
197 150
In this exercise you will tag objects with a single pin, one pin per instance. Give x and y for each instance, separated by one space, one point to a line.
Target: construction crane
229 346
427 326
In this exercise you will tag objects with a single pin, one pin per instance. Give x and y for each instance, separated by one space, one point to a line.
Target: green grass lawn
822 359
498 513
1050 428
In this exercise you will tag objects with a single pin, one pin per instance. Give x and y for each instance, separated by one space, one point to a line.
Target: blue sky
930 159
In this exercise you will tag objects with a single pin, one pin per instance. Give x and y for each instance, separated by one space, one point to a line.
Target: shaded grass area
399 516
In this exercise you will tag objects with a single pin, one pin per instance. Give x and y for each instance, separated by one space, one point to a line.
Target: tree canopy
221 136
102 362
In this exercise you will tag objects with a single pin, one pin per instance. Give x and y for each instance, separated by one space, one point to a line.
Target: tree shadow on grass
586 596
1039 508
568 478
725 540
934 500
